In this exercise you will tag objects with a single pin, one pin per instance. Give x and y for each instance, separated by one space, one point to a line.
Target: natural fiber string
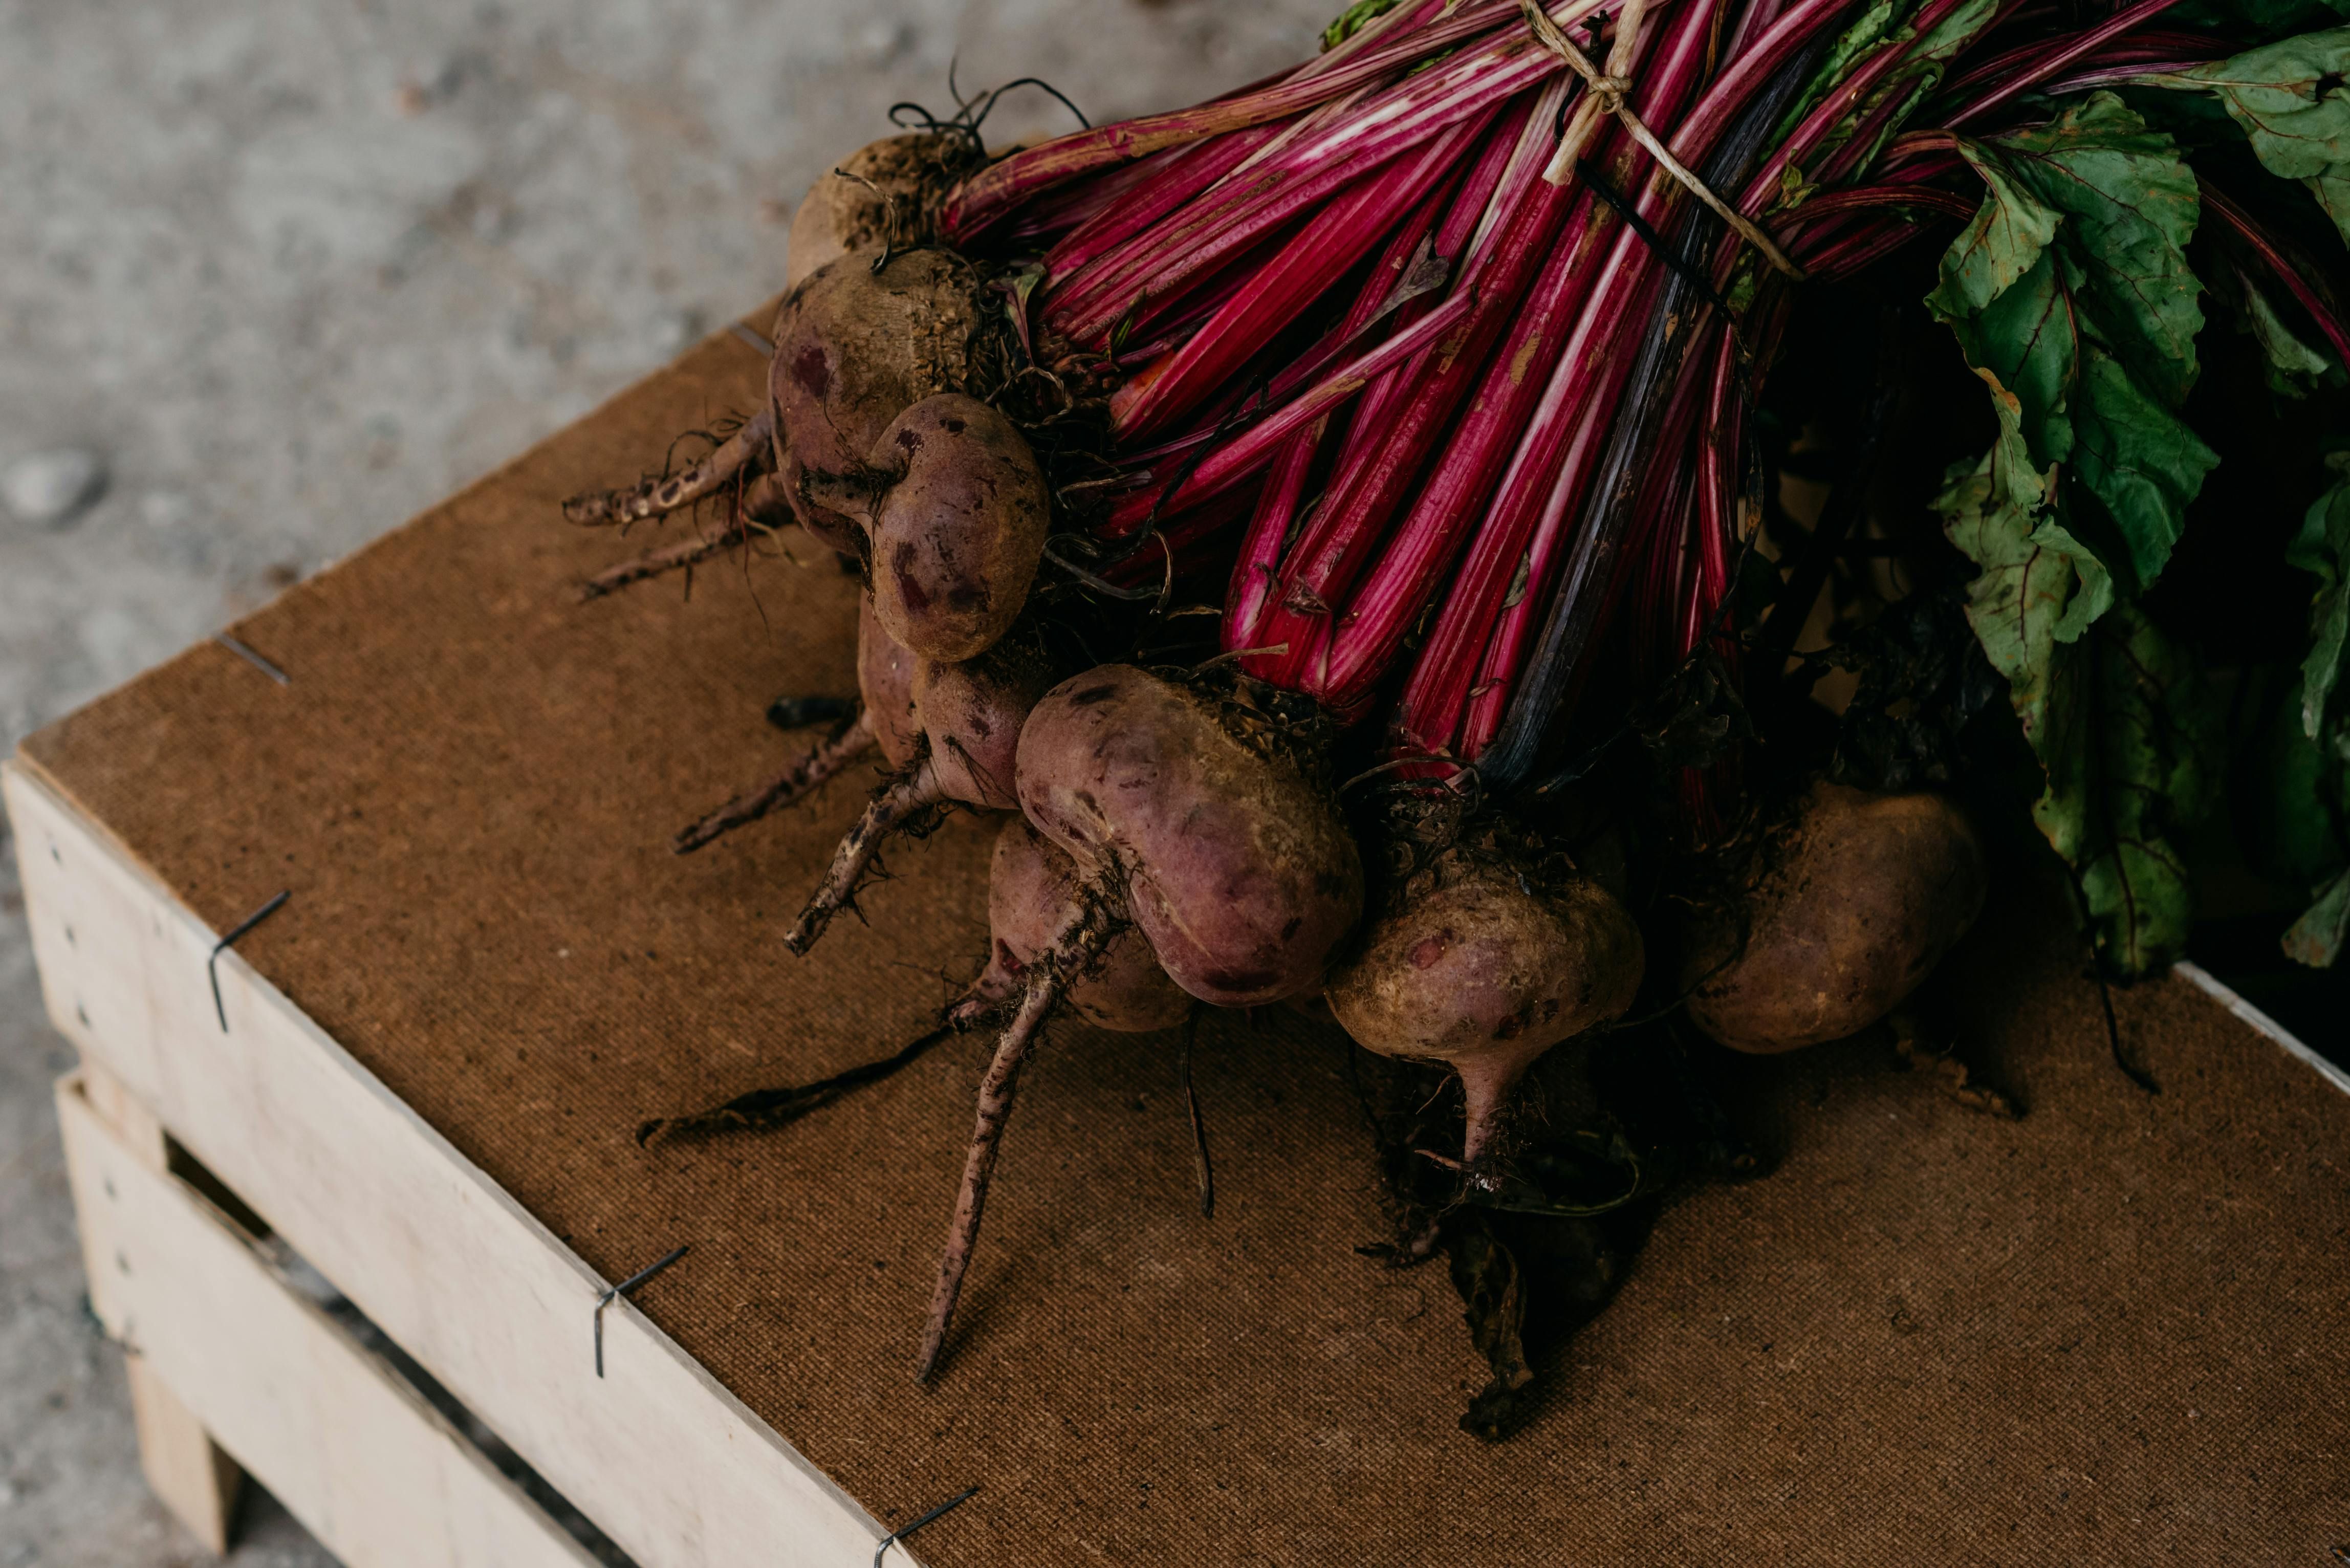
1609 93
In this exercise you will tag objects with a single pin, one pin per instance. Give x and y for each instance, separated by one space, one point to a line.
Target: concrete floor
291 270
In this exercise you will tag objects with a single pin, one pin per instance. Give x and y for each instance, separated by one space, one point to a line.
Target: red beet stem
2083 45
1385 126
2272 252
1323 568
1417 32
1327 248
1186 171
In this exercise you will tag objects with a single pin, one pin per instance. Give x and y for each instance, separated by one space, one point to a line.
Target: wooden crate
203 1146
232 1368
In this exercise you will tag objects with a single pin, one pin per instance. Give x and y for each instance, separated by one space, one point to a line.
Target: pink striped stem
987 197
1519 297
2056 64
1181 173
1327 248
1519 624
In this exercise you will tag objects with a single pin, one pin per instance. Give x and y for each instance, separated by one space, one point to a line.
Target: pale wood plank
672 1466
193 1475
378 1474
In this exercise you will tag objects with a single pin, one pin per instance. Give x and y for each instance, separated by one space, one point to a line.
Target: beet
855 349
1234 865
959 528
885 680
884 194
1483 974
1843 912
965 754
1032 888
1191 822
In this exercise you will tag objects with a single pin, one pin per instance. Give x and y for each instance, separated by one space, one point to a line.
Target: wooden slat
378 1474
672 1467
191 1473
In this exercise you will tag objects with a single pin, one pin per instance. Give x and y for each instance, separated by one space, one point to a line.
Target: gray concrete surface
292 269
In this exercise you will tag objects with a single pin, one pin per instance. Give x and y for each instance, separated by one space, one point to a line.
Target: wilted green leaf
2130 205
2125 730
2037 586
1920 72
2290 790
2136 457
1353 20
2293 103
2317 937
2133 745
2071 290
2291 803
1862 36
2029 341
2001 243
2322 548
2295 368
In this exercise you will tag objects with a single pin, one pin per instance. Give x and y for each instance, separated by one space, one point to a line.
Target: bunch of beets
1415 397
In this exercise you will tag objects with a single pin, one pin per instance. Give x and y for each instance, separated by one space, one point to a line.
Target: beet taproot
1483 974
1031 887
884 720
1844 911
1234 863
969 715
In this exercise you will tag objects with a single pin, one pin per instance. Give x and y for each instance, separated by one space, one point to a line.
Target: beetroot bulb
954 510
1476 965
1842 913
853 348
884 720
1186 818
962 752
885 193
1031 888
1235 863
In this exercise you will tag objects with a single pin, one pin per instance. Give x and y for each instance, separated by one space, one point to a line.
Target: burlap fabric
2116 1331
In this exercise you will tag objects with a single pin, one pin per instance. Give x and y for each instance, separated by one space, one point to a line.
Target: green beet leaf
2294 366
2132 755
2037 586
2028 340
2125 732
2137 458
2129 204
2317 937
2293 105
2322 549
2071 290
1997 248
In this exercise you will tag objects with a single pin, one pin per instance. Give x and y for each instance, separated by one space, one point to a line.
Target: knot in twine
1607 93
